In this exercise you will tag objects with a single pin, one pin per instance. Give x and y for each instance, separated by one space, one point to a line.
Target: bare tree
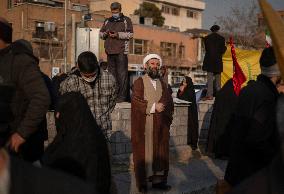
242 24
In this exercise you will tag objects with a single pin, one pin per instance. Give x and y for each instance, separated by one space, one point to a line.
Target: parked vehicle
200 90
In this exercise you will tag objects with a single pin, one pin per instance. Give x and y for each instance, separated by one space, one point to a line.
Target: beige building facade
179 15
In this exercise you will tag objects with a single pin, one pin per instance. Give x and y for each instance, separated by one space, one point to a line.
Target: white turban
152 56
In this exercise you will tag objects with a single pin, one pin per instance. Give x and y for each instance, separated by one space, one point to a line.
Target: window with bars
168 49
9 4
138 46
48 51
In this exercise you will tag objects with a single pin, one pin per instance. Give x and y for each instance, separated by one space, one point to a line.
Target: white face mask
116 15
89 79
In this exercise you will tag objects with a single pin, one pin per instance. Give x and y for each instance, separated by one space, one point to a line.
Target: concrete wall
121 137
205 109
120 140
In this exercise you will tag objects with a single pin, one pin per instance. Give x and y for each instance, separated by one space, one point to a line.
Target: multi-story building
179 15
42 23
178 50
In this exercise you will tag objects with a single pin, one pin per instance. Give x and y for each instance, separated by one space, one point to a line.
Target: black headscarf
189 95
79 147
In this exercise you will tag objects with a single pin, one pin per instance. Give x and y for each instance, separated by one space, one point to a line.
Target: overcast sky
222 7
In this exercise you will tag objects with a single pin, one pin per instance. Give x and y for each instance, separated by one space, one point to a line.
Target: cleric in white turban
151 117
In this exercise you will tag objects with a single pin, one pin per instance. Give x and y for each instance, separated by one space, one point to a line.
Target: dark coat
223 108
56 81
31 100
267 181
6 115
79 147
27 179
214 50
255 139
123 26
192 127
51 90
162 122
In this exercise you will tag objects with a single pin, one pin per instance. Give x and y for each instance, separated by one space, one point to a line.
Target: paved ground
191 174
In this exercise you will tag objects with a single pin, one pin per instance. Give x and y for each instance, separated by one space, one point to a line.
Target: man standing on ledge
151 117
213 63
116 31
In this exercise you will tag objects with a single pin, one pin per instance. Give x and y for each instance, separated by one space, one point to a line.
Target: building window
170 10
181 51
175 11
166 9
45 30
168 49
9 4
48 51
192 14
138 46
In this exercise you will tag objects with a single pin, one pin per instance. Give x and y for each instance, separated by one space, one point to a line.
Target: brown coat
162 122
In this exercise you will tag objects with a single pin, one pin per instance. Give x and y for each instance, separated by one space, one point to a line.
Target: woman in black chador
186 92
79 147
219 134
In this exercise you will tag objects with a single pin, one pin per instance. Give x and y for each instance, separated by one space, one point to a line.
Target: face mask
116 15
89 79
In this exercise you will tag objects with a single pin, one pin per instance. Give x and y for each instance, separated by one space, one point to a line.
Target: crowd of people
246 129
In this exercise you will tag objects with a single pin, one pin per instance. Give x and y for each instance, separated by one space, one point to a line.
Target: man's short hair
215 28
115 5
87 62
6 30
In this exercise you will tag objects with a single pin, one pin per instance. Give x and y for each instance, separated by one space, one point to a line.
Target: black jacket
27 179
79 147
214 50
123 26
223 108
255 139
30 102
267 181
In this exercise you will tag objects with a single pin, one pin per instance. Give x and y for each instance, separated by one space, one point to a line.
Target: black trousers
118 67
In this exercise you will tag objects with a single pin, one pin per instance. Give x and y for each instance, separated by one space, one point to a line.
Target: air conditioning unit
49 26
40 24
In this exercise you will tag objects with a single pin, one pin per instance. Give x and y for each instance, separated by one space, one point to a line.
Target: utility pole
65 37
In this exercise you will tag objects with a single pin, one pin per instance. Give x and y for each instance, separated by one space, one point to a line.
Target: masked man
97 86
117 31
151 116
